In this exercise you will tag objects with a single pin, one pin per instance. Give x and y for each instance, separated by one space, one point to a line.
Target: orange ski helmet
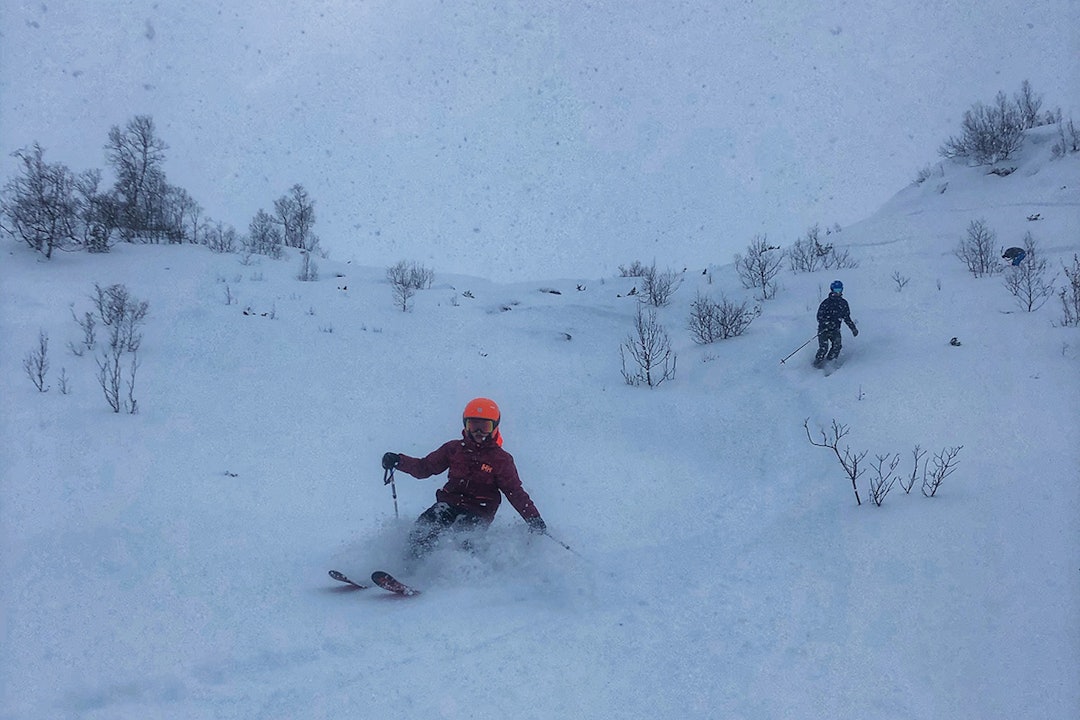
482 408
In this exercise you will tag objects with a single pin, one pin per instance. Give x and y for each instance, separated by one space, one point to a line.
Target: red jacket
477 474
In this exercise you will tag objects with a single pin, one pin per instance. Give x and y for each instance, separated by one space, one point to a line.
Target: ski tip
340 577
388 582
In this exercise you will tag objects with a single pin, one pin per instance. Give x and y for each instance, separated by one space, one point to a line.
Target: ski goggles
479 425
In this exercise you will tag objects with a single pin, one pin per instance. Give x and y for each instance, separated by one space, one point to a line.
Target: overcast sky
516 138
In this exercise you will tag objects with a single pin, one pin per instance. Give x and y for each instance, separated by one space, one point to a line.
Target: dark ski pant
829 345
436 520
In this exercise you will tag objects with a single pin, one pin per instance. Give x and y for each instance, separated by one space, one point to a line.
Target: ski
387 582
340 577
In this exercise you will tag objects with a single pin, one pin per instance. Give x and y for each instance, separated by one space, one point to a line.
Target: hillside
172 563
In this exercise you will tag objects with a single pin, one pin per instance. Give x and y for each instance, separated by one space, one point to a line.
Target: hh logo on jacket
487 468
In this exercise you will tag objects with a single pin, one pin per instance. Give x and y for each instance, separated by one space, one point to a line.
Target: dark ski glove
537 525
854 332
390 460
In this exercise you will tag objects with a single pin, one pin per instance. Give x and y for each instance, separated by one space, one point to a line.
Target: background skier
480 472
831 312
1014 255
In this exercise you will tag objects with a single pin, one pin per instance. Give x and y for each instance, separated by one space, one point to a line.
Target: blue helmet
837 286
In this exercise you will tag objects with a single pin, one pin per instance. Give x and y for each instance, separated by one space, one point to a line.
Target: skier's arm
846 317
510 485
431 464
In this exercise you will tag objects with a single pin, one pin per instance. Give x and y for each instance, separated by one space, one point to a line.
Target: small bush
111 379
405 279
658 287
88 325
1068 138
808 253
711 321
900 279
264 237
884 476
990 133
1070 295
977 250
309 268
36 362
927 172
649 347
122 313
758 268
634 269
221 239
944 463
1027 282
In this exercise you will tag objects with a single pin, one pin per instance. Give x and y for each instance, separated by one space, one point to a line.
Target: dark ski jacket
478 473
1015 255
832 310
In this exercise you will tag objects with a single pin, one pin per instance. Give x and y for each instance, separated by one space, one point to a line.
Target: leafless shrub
808 253
122 313
1070 295
927 172
900 280
1068 138
111 379
264 237
977 250
884 477
848 460
36 362
421 277
1027 282
649 347
221 239
132 404
309 268
634 269
758 268
990 133
62 382
944 463
39 206
88 326
711 321
840 260
907 483
658 287
1028 105
109 376
405 279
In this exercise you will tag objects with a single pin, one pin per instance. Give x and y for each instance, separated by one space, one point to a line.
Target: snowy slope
172 563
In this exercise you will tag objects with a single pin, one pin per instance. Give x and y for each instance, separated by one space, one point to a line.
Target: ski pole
388 479
569 549
801 347
564 545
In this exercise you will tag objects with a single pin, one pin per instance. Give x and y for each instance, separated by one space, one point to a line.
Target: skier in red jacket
480 472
